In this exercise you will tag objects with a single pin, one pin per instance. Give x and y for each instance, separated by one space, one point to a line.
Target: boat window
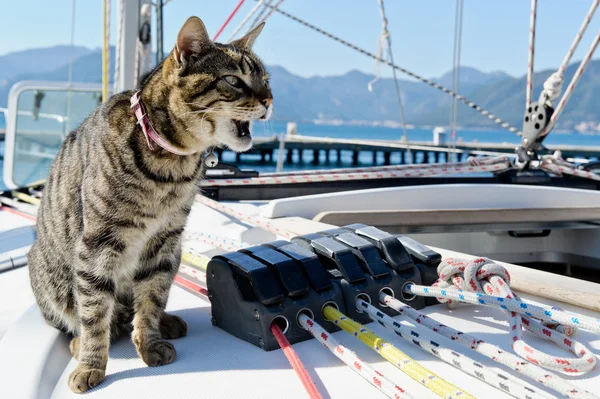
42 119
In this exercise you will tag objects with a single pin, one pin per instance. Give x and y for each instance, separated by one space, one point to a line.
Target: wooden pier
422 152
386 152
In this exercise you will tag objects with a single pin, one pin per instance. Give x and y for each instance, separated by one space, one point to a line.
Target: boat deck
212 363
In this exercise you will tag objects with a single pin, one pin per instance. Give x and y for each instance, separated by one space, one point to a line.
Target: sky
495 32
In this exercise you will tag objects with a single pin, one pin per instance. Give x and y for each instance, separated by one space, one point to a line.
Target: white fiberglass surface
443 196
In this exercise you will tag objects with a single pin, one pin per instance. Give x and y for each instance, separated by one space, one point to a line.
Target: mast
159 31
128 45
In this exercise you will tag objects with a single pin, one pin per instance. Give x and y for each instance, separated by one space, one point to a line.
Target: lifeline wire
394 356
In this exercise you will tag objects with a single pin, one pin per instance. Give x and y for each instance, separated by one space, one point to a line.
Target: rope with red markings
287 349
428 341
229 18
295 362
474 165
17 212
481 281
182 281
214 241
374 377
346 355
557 165
255 220
491 351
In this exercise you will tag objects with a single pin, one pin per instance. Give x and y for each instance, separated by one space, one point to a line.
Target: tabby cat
113 211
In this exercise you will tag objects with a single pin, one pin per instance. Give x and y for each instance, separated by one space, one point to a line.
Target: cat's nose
267 102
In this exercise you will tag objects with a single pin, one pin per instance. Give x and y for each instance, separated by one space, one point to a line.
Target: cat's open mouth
243 128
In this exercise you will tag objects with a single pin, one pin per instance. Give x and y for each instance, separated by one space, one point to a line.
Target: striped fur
110 223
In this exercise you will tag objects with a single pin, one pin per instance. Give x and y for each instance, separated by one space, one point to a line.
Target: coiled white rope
491 351
545 314
482 275
428 342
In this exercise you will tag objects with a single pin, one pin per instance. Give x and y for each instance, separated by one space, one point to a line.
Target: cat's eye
233 80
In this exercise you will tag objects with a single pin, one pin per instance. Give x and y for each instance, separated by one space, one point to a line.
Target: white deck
211 363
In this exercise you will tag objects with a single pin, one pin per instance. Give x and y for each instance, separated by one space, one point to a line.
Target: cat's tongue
243 128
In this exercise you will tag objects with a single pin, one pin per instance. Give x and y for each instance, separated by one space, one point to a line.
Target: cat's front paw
158 353
172 327
84 378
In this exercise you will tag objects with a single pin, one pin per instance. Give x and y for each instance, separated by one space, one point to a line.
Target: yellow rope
26 198
199 261
395 356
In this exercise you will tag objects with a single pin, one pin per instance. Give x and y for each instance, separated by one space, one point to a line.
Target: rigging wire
420 78
553 85
235 10
245 21
565 98
458 23
532 22
273 9
578 36
255 23
385 36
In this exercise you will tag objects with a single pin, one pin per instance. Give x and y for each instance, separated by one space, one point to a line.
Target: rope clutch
276 282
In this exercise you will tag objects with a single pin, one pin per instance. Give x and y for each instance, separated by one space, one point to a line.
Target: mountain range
345 98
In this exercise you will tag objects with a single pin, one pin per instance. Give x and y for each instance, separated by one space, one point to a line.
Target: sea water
466 135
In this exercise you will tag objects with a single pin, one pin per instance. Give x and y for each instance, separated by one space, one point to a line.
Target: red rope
16 212
191 285
235 10
296 363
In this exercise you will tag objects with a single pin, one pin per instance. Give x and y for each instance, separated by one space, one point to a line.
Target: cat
113 211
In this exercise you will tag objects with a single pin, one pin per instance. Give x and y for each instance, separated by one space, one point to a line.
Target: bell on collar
211 160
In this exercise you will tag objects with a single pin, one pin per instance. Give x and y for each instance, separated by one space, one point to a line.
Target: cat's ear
192 39
247 41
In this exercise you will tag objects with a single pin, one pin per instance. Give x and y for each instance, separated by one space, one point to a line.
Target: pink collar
152 137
